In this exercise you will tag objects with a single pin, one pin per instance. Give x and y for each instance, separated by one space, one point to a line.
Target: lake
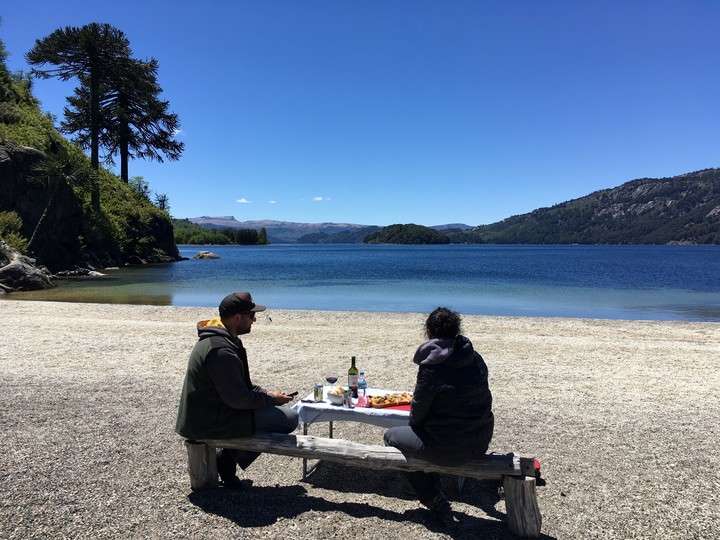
611 282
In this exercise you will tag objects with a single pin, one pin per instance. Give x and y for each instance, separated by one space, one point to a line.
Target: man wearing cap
218 400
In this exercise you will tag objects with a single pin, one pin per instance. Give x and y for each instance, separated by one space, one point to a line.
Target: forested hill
408 233
680 209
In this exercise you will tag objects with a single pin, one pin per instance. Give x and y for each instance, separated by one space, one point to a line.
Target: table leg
331 429
307 471
304 459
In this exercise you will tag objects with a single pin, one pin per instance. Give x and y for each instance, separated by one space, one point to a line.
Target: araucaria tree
91 53
135 122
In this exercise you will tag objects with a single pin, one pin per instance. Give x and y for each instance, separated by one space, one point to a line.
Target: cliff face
681 209
34 197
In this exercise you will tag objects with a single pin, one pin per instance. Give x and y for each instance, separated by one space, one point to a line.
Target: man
219 401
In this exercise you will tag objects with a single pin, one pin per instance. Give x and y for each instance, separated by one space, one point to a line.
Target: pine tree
135 122
90 52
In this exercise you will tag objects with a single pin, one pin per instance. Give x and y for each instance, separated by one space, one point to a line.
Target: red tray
398 407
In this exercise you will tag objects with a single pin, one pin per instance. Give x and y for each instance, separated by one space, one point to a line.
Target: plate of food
390 400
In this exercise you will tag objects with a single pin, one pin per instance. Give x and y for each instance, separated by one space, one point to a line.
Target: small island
409 233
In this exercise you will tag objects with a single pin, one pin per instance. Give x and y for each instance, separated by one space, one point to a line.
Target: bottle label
352 380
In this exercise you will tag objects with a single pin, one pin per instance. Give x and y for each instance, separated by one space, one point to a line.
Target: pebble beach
623 415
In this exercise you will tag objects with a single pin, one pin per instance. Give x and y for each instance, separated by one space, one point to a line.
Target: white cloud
320 199
243 200
272 202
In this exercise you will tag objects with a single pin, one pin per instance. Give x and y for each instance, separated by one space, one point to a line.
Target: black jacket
452 403
218 397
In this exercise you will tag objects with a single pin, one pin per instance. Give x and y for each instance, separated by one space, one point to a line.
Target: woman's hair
443 323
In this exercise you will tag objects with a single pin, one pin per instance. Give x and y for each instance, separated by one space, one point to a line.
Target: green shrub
10 231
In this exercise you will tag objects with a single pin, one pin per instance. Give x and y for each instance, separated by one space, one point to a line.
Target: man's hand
280 398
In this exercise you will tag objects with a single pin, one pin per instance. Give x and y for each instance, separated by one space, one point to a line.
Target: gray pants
427 485
267 420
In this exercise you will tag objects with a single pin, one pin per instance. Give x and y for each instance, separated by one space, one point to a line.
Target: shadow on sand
262 506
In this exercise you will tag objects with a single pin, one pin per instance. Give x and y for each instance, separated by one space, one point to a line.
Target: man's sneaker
233 482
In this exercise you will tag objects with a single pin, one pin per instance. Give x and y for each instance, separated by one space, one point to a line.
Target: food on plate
390 400
336 391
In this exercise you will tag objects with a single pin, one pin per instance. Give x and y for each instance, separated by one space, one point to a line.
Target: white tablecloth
309 413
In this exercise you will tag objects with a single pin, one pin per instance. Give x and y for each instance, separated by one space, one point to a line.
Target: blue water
616 282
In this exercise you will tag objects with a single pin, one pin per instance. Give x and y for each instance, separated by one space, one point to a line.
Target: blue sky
430 112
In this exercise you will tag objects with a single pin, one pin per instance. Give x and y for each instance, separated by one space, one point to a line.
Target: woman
451 416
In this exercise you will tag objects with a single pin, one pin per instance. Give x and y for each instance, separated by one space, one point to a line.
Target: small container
362 383
318 392
347 399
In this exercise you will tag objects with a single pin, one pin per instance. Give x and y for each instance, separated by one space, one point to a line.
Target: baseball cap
238 302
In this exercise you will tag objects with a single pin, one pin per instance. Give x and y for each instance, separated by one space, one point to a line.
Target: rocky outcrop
50 210
19 273
80 274
46 191
206 255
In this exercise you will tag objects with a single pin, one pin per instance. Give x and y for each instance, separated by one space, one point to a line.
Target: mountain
409 233
280 232
679 209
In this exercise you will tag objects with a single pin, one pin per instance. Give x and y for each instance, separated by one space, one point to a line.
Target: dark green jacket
218 397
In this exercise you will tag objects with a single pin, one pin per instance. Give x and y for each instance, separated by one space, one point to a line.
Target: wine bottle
353 378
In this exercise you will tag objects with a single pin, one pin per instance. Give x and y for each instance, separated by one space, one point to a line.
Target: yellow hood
215 322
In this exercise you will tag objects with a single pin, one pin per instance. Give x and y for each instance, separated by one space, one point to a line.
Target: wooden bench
517 474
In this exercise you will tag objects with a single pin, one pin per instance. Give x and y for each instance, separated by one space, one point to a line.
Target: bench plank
368 456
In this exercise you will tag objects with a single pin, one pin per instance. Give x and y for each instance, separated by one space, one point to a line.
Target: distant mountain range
281 232
683 209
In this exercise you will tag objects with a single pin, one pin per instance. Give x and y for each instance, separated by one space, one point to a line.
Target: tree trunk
124 160
95 136
124 138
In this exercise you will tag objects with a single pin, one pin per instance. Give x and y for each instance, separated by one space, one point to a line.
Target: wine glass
331 379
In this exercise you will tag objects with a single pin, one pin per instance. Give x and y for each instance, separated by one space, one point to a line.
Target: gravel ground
625 417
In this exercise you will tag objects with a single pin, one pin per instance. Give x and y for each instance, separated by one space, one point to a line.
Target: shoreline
9 297
623 416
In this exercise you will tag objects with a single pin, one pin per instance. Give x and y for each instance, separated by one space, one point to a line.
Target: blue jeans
267 420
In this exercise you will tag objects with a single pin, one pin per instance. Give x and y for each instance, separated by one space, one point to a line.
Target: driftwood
523 512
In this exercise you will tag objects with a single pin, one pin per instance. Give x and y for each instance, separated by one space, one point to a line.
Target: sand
624 416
